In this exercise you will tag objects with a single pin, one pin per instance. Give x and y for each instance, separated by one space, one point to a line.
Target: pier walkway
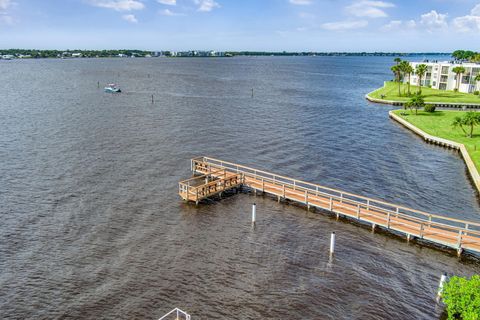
215 176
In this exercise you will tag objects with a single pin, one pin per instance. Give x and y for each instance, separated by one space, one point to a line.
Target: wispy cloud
168 2
344 25
5 4
399 25
118 5
470 22
170 13
301 2
206 5
130 18
369 9
5 17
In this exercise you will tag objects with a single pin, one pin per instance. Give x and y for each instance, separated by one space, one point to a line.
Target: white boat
112 88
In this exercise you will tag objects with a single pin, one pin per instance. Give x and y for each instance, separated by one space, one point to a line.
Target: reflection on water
92 226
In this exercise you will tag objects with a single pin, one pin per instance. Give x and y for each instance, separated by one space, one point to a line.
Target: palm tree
477 79
416 102
471 119
458 71
407 70
459 123
421 70
397 60
396 71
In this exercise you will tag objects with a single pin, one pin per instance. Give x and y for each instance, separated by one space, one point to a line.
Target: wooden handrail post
263 185
459 241
331 204
306 196
421 230
341 197
388 220
368 204
358 211
284 191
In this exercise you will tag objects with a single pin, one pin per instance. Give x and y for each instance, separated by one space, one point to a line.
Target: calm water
92 227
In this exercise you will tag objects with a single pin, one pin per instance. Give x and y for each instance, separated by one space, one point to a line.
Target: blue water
92 226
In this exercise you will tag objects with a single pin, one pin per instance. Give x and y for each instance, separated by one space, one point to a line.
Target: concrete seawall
457 105
444 143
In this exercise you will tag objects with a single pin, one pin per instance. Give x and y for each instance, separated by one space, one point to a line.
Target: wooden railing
207 184
418 223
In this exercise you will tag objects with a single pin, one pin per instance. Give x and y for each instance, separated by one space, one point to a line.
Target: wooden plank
455 233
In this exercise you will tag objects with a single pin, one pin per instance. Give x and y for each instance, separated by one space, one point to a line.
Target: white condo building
440 76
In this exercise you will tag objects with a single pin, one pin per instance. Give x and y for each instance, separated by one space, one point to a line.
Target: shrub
462 298
455 90
429 108
476 93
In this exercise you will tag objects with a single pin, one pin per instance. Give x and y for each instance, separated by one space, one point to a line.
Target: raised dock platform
215 176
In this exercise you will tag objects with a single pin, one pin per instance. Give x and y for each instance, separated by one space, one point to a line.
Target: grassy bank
439 123
390 92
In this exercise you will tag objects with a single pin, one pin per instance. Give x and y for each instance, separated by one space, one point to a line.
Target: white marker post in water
254 214
332 243
443 279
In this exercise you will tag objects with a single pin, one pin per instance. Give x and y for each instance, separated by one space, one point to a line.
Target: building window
466 79
434 83
443 86
444 70
443 78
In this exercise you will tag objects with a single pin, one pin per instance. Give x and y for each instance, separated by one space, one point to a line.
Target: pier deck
216 176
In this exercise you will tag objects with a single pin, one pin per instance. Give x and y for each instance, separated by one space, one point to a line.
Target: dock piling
332 243
443 279
254 214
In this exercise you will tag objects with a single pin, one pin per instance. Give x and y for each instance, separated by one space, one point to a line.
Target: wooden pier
213 176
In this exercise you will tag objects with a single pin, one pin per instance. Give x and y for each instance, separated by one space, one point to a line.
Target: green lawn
390 90
439 123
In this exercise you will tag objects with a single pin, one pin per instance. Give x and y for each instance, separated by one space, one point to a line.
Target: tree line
85 53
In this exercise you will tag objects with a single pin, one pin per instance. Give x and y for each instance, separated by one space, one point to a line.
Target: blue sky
292 25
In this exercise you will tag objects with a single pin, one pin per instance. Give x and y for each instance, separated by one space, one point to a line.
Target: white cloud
433 20
468 23
344 25
300 2
170 13
168 2
476 10
399 25
130 18
5 4
118 5
369 9
6 19
206 5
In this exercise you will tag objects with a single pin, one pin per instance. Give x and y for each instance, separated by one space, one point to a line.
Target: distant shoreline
9 54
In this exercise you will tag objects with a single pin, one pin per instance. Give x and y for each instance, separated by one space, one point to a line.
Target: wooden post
330 205
388 220
358 211
459 243
152 99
